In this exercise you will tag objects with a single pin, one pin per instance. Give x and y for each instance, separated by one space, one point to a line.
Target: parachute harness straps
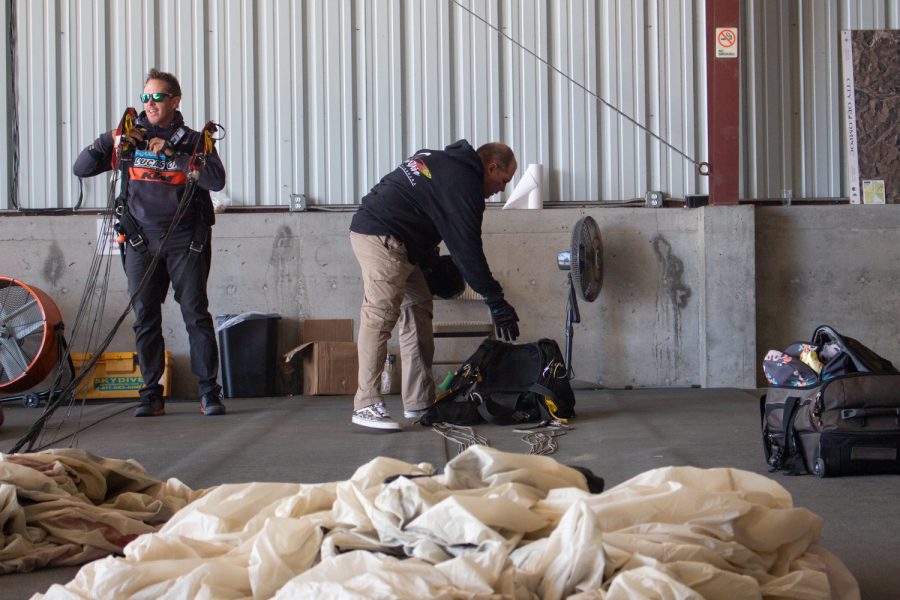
124 150
205 145
123 155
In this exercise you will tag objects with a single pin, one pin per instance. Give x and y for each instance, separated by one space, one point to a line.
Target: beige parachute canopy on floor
493 525
68 507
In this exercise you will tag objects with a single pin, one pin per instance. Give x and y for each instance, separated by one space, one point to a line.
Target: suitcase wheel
819 468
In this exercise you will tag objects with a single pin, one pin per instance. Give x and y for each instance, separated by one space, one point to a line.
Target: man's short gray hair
498 153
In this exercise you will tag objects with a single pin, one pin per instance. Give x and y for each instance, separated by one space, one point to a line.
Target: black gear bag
505 384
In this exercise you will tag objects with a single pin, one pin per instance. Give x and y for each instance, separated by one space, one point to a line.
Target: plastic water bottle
387 374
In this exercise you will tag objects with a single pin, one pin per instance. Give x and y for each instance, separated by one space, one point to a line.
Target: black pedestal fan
584 262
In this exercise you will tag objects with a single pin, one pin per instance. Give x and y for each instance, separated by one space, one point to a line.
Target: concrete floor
619 433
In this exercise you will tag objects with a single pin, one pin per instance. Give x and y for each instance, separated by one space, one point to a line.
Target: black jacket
433 196
155 181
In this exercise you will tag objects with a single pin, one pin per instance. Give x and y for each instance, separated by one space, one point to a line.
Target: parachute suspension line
12 61
67 395
702 167
463 435
91 309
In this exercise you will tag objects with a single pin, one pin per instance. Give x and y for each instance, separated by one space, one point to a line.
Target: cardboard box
117 375
328 355
329 368
326 330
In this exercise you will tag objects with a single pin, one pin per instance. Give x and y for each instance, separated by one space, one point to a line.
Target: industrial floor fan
31 340
584 262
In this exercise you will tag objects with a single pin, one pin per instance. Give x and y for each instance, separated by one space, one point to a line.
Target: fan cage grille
28 349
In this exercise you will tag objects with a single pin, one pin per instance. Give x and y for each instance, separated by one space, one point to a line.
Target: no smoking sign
726 42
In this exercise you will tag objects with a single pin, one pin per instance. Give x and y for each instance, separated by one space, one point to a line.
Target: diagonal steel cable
701 166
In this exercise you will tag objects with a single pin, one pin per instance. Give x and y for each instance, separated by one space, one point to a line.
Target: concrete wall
690 297
838 266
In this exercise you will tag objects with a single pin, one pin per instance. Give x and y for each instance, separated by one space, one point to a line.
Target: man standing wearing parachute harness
164 164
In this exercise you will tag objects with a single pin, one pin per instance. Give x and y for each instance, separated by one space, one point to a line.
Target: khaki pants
395 290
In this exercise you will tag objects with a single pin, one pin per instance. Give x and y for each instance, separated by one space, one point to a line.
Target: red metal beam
723 50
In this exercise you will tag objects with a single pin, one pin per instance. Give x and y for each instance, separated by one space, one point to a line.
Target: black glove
505 319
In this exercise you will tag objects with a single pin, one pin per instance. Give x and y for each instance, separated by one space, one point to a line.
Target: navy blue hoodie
433 196
155 181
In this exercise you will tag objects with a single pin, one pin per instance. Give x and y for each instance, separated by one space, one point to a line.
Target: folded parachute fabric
494 524
68 507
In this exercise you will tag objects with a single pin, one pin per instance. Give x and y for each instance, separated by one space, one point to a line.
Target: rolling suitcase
848 425
840 418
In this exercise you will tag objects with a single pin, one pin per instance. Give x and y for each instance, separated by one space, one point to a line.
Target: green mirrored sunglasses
155 96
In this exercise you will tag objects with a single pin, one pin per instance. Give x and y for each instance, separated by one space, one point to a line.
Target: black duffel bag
506 384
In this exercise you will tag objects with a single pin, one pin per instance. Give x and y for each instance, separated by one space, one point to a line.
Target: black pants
190 293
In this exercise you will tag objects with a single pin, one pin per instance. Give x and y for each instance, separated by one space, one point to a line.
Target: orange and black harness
130 235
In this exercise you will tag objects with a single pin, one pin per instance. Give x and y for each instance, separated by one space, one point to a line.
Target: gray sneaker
375 416
414 414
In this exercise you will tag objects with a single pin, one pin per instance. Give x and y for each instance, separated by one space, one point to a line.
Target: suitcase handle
863 413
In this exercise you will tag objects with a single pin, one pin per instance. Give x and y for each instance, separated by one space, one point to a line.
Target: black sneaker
211 404
151 407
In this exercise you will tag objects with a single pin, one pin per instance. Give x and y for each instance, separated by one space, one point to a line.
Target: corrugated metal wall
792 118
322 97
6 135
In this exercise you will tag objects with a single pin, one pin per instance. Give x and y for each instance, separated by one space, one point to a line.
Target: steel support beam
723 51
